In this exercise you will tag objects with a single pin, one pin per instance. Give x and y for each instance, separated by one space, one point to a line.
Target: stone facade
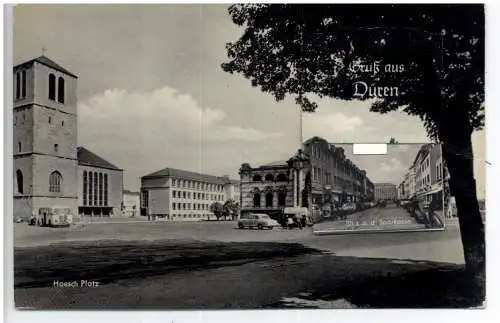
272 187
48 169
44 137
335 178
385 191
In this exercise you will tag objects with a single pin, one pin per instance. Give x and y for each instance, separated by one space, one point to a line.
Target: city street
180 265
389 218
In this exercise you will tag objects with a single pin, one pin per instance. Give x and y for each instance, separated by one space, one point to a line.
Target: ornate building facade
318 176
272 187
335 178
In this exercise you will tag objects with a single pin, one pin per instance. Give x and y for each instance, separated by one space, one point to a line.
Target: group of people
292 222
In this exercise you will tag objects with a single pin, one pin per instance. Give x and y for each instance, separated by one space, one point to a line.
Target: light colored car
349 207
257 220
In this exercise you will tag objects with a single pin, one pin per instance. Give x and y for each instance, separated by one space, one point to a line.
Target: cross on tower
43 51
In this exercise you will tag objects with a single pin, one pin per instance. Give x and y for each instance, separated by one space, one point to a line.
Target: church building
50 170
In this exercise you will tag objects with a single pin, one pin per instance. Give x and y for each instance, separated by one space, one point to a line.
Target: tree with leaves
231 209
433 55
217 209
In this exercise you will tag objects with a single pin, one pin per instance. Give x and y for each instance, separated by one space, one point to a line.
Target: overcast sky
152 93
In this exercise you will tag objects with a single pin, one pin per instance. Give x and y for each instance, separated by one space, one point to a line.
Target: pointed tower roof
47 62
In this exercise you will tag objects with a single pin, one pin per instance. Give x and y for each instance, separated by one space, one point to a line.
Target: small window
56 148
23 84
50 120
15 121
62 123
52 87
60 92
18 85
19 147
20 182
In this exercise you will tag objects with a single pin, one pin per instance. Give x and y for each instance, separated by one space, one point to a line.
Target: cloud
162 115
393 165
146 131
327 125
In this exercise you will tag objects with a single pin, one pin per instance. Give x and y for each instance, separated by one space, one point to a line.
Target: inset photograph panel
402 190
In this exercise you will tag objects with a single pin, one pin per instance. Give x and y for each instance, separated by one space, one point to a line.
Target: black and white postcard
247 156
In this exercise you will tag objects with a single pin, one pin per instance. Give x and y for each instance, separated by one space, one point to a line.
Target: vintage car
349 207
256 220
53 217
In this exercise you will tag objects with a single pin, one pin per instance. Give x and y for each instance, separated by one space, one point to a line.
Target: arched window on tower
269 199
52 87
55 181
20 182
60 90
269 178
257 178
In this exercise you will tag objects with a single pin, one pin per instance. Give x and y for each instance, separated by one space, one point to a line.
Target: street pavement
347 259
441 246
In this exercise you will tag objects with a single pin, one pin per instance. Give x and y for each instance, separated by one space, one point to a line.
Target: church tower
45 137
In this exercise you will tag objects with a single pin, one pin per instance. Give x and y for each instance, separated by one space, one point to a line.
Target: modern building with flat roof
179 195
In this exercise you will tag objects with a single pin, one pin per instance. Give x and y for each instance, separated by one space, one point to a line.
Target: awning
433 190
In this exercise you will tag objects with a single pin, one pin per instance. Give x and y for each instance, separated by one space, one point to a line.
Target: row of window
56 87
270 178
269 199
20 147
53 89
95 189
197 195
439 171
337 164
425 181
196 185
190 206
55 182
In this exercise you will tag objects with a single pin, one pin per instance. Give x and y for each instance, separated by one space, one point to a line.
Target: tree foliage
435 55
393 141
231 209
305 51
217 209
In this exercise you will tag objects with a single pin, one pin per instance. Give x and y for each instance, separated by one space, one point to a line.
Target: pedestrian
303 221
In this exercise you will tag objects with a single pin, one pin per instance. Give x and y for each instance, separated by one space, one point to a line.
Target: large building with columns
272 187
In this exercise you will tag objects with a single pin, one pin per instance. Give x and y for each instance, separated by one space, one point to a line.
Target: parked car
256 220
349 207
52 217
